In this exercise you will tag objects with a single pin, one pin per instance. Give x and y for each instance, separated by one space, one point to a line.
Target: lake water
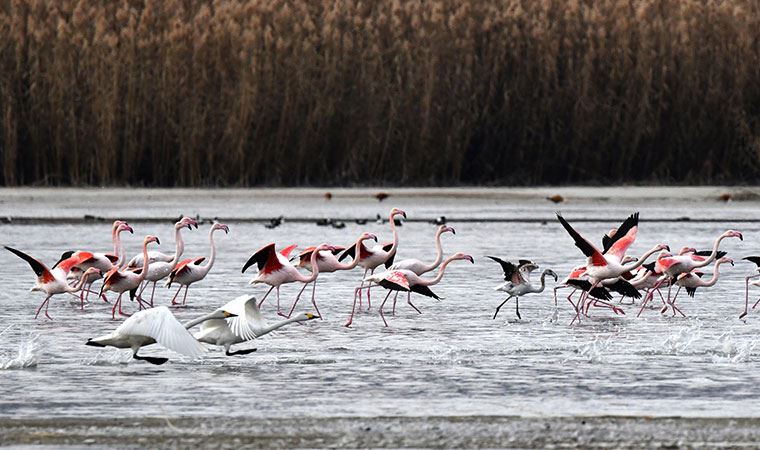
453 360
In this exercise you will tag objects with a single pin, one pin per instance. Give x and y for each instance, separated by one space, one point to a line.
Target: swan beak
228 314
311 316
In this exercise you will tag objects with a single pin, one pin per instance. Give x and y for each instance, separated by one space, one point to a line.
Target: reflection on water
453 359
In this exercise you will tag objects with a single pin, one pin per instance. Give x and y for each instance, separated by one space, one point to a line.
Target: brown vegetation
249 92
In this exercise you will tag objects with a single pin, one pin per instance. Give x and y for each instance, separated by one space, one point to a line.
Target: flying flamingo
692 280
517 281
53 281
371 258
406 280
121 281
419 267
328 263
155 325
156 255
275 270
161 269
600 267
191 271
246 324
102 261
671 266
756 261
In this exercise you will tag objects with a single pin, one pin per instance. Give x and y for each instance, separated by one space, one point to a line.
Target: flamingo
121 281
102 261
517 281
161 269
190 270
246 324
756 261
155 255
370 259
155 325
328 263
600 266
419 267
53 281
406 280
671 266
693 280
275 270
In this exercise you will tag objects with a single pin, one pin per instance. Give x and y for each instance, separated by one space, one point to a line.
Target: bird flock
607 270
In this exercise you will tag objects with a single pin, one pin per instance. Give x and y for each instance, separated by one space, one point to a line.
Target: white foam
28 355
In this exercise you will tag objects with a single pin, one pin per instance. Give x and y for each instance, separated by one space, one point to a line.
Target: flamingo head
366 236
117 224
150 238
732 233
327 247
91 271
460 255
612 232
186 222
444 229
550 272
726 259
124 226
220 226
628 258
684 250
397 212
665 247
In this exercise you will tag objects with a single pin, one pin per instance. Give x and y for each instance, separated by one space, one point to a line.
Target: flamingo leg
44 303
517 307
313 300
152 292
369 302
353 308
265 296
394 303
499 307
184 299
174 299
278 300
672 303
298 297
116 304
650 294
361 286
381 306
409 300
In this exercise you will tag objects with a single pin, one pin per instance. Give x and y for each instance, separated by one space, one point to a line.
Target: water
453 360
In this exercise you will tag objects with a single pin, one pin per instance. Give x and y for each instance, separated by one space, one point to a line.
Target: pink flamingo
756 261
406 280
161 269
369 259
671 266
275 270
156 255
191 271
121 281
692 280
53 282
327 263
600 267
419 267
102 261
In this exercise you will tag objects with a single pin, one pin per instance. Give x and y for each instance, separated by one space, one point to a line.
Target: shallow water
451 360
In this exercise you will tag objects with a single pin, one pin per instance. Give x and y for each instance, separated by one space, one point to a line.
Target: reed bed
301 92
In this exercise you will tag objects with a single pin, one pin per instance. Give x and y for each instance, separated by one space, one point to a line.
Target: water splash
28 355
731 351
678 342
597 350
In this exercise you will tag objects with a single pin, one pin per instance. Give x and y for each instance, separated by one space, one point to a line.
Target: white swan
244 323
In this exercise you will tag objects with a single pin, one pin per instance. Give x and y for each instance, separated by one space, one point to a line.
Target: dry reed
252 92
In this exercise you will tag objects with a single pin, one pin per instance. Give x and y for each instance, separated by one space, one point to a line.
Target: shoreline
385 432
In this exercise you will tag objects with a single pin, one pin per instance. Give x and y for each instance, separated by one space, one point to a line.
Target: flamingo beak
469 258
667 247
373 237
403 213
128 228
741 238
158 241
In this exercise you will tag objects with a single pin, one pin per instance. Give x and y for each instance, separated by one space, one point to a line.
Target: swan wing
247 317
160 324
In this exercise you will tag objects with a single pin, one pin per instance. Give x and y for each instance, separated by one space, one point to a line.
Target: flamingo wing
395 280
350 251
585 246
261 257
113 276
287 250
719 254
691 291
424 290
623 287
42 272
525 268
511 271
111 257
623 237
160 324
632 222
64 256
584 285
391 257
753 259
337 249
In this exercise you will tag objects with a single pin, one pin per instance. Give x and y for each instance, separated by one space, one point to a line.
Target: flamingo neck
716 274
714 253
543 283
314 268
212 256
395 236
438 254
146 261
638 263
179 245
438 276
354 261
119 249
80 284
